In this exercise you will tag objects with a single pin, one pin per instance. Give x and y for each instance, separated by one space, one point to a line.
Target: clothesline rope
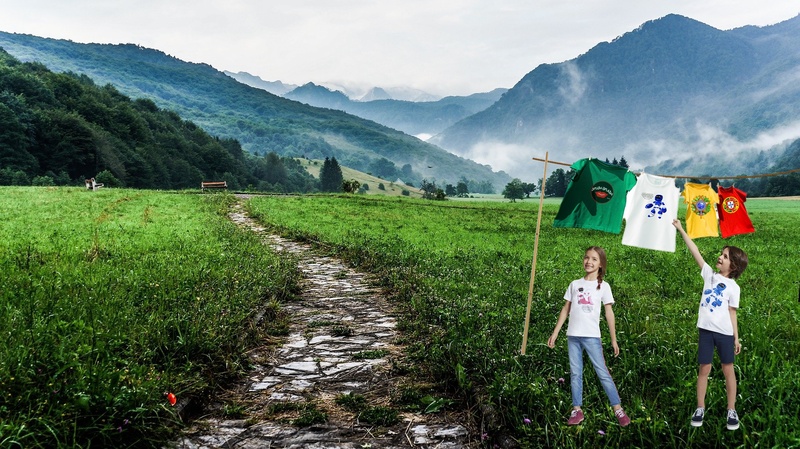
764 175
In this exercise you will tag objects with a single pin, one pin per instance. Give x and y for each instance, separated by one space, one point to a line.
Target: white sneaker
697 418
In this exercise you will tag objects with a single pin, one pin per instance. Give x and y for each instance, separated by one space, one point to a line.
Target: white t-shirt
651 206
719 292
587 300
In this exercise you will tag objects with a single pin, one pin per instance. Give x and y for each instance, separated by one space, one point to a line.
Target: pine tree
330 176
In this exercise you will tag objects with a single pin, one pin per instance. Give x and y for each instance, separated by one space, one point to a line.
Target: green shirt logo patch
602 192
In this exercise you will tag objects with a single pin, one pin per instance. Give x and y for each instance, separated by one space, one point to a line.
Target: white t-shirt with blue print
719 293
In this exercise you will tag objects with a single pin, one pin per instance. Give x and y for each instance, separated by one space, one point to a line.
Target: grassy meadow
111 299
461 273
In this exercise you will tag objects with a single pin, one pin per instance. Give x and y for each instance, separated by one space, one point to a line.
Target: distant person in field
717 323
583 299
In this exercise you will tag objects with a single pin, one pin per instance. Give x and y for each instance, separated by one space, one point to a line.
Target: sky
442 47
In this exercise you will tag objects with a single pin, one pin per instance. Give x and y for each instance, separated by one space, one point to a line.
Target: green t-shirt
595 197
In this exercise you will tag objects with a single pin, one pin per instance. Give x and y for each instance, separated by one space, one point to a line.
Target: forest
58 129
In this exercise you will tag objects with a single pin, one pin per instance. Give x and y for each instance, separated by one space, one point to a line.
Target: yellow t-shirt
701 210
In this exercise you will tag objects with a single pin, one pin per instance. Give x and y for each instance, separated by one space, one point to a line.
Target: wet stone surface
338 315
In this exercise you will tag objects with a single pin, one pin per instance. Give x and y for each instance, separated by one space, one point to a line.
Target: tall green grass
110 299
462 272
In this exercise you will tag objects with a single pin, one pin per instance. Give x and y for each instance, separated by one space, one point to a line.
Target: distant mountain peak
273 87
319 96
376 93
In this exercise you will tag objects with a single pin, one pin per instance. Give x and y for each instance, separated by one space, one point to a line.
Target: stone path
339 316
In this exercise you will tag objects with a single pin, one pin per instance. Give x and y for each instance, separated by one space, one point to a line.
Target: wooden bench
213 185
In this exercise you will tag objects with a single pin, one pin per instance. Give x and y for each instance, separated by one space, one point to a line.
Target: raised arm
689 243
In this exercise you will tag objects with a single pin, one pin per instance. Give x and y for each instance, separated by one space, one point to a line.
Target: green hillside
58 129
390 188
260 121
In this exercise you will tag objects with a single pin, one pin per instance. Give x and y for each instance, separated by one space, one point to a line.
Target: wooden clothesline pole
764 175
533 263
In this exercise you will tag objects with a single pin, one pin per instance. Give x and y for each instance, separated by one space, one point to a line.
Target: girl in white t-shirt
583 299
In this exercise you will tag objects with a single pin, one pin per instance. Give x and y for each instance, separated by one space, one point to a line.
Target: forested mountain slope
260 121
61 128
674 92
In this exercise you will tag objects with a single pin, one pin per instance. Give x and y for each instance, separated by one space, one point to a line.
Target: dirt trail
339 315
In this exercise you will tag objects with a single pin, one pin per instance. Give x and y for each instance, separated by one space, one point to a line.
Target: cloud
516 160
703 148
573 83
706 143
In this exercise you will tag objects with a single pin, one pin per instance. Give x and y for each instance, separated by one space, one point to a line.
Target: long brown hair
601 272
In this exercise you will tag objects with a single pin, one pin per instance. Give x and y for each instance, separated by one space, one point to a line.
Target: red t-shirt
733 217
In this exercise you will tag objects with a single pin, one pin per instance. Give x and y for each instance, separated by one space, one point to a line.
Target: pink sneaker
622 417
575 418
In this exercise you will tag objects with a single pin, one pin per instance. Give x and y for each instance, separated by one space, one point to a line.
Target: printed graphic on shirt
657 208
713 297
700 205
730 204
585 300
602 192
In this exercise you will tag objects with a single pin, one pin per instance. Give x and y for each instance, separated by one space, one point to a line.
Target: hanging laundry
595 197
650 208
701 210
733 217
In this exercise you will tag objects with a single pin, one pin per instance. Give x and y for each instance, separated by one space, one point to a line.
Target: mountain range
674 96
415 112
273 87
260 121
355 93
421 119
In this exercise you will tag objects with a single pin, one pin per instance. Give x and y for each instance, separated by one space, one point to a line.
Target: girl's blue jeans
594 349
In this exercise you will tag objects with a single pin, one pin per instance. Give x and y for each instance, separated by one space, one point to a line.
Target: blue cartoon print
585 300
657 207
713 297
